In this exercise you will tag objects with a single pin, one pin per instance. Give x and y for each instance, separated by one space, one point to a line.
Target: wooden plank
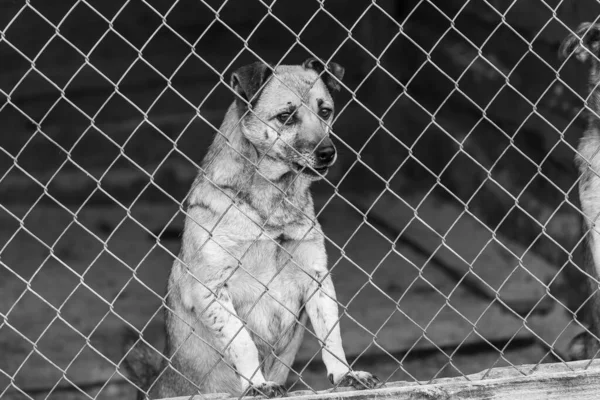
495 266
423 366
573 381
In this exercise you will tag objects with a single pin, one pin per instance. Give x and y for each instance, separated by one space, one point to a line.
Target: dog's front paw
268 389
357 379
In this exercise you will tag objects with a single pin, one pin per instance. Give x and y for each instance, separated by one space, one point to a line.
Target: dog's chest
268 291
270 306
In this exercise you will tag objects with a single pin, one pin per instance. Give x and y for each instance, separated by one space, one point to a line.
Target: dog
585 46
252 269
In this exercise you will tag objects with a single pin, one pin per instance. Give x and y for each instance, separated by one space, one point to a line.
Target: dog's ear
334 74
584 42
248 80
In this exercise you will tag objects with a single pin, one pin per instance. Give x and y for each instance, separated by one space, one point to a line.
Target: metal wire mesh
412 231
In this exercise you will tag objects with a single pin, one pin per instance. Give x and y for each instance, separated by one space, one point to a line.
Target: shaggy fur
585 46
254 267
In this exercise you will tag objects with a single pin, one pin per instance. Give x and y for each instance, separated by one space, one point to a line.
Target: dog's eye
285 118
325 113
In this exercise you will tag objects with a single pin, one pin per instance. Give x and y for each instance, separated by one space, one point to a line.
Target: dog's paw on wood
357 379
267 389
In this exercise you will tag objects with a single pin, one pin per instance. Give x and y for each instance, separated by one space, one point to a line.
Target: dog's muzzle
323 156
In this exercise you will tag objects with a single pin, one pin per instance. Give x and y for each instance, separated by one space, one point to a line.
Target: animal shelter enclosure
451 217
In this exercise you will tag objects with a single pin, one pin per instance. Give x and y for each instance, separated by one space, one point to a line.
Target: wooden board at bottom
578 380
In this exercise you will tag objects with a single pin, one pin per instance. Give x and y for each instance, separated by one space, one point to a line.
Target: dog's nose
325 154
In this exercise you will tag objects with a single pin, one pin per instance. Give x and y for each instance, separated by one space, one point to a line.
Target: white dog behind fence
253 266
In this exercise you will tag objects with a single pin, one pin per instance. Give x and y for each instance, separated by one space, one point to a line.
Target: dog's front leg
212 305
322 310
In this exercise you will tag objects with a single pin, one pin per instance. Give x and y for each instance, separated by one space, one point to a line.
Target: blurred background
451 214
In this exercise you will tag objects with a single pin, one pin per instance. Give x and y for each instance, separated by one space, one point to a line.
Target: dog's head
289 111
583 44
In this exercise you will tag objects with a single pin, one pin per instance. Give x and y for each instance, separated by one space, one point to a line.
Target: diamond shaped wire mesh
450 219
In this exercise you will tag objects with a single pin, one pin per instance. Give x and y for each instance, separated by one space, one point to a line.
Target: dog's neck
234 162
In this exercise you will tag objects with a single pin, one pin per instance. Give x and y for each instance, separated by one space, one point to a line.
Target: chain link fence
450 219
